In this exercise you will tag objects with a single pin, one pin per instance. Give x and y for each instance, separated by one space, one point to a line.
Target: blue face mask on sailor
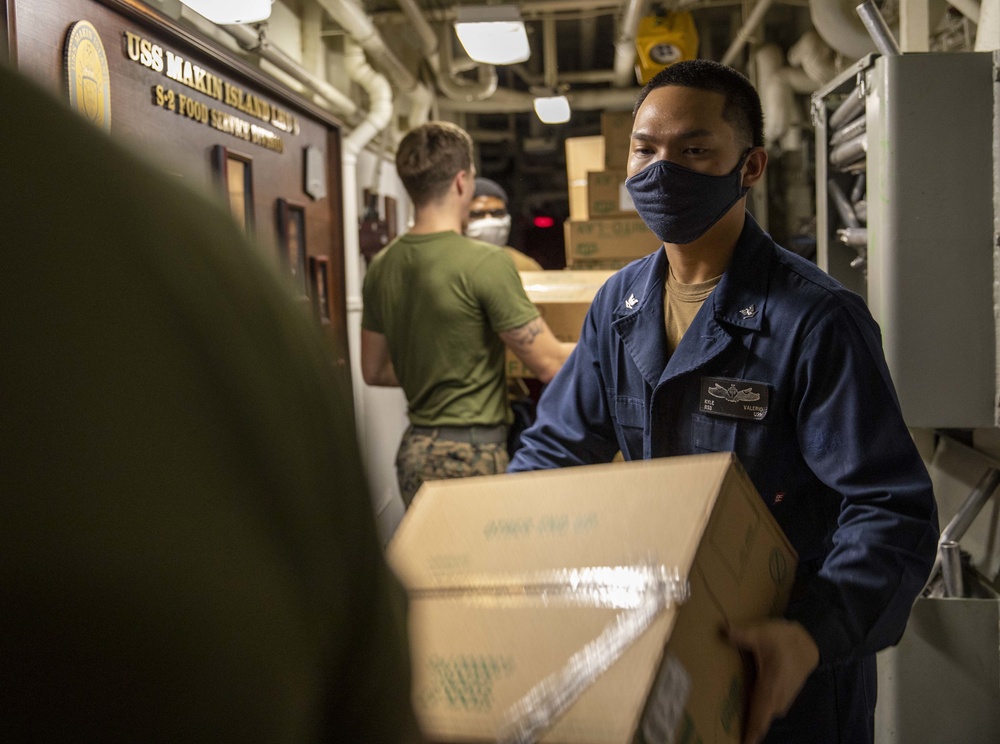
678 204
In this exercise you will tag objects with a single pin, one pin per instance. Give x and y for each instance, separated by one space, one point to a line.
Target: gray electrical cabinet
905 217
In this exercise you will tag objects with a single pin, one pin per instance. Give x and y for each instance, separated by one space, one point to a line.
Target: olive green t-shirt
440 300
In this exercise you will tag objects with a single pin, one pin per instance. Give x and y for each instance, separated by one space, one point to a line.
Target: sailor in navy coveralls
780 364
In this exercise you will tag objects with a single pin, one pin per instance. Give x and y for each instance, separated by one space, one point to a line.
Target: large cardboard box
607 195
601 264
563 298
586 604
612 238
616 128
583 154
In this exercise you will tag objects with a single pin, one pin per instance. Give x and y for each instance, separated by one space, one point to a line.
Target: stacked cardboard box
583 155
563 298
616 128
603 231
621 239
588 604
607 195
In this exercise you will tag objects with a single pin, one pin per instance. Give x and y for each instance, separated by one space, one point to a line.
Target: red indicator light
544 221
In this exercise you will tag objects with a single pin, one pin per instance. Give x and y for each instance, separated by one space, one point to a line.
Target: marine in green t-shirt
438 310
441 300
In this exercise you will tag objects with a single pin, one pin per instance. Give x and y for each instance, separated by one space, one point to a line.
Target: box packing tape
641 591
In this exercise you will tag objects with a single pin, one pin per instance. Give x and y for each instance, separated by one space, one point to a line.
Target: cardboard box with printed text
563 298
610 238
616 128
607 195
588 604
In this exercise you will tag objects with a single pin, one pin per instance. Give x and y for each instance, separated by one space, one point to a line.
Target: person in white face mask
489 221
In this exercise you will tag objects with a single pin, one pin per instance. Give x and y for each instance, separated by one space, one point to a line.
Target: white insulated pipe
379 115
353 19
379 97
438 56
746 30
624 66
250 39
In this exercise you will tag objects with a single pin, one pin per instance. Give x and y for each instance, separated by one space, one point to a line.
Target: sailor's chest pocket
747 438
630 415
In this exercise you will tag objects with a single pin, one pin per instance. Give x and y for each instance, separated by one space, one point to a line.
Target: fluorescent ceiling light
552 109
492 34
231 11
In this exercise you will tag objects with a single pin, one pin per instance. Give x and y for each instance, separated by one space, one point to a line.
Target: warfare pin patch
722 396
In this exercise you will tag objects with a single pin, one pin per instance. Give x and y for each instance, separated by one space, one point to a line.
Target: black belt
468 434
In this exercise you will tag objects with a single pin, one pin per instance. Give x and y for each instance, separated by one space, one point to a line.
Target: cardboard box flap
499 525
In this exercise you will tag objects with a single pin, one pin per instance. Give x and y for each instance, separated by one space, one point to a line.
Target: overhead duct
437 51
838 22
814 56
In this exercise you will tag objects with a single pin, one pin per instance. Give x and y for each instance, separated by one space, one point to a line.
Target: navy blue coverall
783 366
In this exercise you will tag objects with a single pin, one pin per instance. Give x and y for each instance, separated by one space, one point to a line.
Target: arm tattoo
525 335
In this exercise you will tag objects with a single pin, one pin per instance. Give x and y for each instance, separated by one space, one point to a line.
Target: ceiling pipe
839 25
746 30
437 51
379 98
530 9
506 101
624 68
814 56
352 18
550 54
588 40
460 89
969 8
356 23
878 29
252 40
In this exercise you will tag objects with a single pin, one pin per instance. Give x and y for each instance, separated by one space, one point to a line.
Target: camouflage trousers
426 457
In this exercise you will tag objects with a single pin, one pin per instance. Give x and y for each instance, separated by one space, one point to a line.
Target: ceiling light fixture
492 34
552 109
229 12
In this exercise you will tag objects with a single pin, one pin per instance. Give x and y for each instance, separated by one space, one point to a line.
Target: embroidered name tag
743 399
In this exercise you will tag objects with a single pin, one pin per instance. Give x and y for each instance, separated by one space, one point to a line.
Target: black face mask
678 204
